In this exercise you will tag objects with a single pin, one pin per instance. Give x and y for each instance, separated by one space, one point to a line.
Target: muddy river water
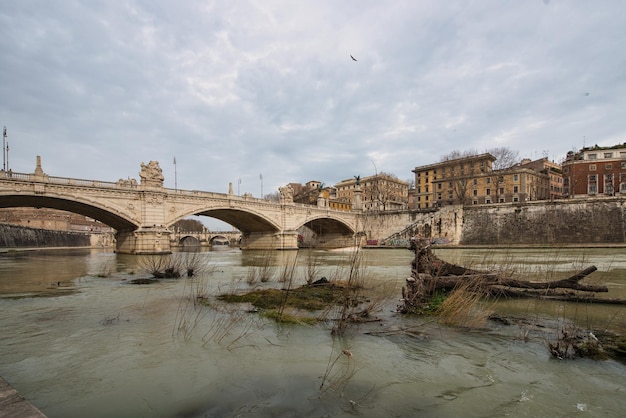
98 346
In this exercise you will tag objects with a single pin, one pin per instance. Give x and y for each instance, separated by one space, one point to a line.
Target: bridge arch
327 231
245 220
107 215
258 231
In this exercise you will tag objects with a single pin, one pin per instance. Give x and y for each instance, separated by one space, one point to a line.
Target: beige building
432 191
471 180
53 219
378 192
553 170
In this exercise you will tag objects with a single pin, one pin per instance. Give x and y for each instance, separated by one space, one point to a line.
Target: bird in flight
353 59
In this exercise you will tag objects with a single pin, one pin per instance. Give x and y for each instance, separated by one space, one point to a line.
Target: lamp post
5 149
261 178
175 176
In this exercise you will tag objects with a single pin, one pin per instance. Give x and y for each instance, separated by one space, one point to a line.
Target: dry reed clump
222 325
173 266
262 272
464 305
340 369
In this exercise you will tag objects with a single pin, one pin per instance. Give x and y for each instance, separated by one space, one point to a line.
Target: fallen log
569 283
430 276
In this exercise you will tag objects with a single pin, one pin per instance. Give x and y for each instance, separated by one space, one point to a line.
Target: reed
464 305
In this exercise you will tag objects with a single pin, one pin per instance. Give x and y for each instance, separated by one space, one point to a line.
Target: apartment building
553 170
448 182
595 171
471 180
378 192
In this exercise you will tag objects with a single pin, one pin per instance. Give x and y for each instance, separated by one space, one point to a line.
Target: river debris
431 276
433 281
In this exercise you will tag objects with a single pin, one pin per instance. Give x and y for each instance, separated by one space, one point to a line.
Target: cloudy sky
236 90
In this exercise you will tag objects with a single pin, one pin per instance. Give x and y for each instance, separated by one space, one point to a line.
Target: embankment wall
19 237
571 221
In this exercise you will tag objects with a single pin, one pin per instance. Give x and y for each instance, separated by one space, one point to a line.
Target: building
472 180
379 192
595 171
449 181
553 170
306 194
52 219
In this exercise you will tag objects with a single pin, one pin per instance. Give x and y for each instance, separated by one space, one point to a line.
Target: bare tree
453 155
381 190
189 225
505 157
274 197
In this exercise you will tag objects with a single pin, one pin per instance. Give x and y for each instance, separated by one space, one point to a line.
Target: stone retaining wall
589 221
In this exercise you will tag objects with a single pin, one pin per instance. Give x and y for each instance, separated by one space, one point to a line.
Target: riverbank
13 405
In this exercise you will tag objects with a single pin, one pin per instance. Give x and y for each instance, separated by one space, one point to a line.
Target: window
438 196
501 190
515 177
439 186
475 192
488 180
488 201
516 199
501 200
608 166
474 202
608 155
515 189
488 192
592 156
475 182
608 184
592 167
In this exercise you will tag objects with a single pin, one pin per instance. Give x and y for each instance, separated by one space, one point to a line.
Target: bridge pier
151 240
330 241
287 240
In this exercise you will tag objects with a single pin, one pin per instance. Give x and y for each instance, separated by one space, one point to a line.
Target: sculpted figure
151 173
286 192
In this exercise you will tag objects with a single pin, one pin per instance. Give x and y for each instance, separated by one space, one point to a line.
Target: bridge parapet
143 213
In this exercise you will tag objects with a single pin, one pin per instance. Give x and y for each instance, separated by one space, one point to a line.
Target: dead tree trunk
430 275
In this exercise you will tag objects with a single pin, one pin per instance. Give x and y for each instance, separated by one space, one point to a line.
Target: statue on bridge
286 193
151 174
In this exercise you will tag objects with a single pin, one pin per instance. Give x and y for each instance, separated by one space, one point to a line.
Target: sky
261 93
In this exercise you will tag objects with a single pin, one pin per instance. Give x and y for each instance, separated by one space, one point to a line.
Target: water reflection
114 349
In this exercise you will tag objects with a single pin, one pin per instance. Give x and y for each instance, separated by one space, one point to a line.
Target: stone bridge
144 212
206 238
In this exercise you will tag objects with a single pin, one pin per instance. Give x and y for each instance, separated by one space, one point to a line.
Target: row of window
606 155
607 166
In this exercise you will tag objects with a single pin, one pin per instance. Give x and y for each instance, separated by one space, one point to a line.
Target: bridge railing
10 175
131 184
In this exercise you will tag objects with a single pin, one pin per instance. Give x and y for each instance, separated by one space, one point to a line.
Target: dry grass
464 306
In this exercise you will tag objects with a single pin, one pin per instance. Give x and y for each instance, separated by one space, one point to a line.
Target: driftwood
431 275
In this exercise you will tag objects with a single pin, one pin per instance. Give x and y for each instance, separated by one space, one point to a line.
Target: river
78 340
